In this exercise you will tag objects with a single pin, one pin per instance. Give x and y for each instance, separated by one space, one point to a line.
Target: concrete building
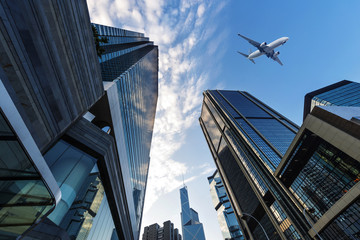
229 226
167 232
192 228
284 182
74 139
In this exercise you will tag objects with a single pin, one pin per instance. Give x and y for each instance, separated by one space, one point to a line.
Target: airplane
264 48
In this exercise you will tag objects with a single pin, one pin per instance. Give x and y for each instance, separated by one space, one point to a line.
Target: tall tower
286 182
192 229
248 140
129 67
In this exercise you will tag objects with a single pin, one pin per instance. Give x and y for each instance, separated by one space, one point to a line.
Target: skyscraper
343 93
191 226
229 226
166 232
282 185
129 66
75 138
247 140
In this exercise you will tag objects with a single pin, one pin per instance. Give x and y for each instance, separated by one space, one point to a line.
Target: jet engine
263 44
276 53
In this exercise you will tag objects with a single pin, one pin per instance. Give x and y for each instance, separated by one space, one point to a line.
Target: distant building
75 128
229 226
343 93
192 229
286 182
167 232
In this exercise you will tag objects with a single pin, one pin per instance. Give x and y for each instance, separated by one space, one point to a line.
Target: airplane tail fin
246 56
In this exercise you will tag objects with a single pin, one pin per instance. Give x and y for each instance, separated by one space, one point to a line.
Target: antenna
183 179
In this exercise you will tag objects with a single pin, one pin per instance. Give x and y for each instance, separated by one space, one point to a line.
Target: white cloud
176 30
201 10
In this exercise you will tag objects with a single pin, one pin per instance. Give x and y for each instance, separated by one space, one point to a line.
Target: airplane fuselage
268 48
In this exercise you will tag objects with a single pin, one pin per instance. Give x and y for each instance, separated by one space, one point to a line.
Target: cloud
179 29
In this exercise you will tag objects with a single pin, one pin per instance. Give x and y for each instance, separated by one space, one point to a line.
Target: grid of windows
268 155
275 132
327 176
347 95
226 216
241 153
226 106
346 225
284 222
130 61
277 137
244 105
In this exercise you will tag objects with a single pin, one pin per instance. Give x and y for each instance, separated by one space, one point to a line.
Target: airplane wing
277 60
252 42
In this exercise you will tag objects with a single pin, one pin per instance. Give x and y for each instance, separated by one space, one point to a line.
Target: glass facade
346 95
343 93
327 175
248 140
81 219
24 196
70 167
346 225
192 229
130 60
268 133
228 224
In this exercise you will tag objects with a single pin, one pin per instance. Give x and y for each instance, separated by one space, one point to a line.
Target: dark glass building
166 232
229 226
75 128
307 188
248 140
192 228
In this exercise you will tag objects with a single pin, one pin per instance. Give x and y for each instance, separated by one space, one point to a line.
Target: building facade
275 197
229 226
191 226
343 93
166 232
75 139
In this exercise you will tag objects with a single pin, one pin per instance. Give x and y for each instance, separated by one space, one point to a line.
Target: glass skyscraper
248 140
229 226
75 126
191 226
130 62
286 182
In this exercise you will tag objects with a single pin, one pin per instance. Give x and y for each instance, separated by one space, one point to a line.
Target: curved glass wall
70 167
24 197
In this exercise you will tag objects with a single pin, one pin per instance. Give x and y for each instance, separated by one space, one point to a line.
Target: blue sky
197 42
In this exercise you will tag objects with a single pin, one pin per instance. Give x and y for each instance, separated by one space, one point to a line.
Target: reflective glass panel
24 198
327 176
